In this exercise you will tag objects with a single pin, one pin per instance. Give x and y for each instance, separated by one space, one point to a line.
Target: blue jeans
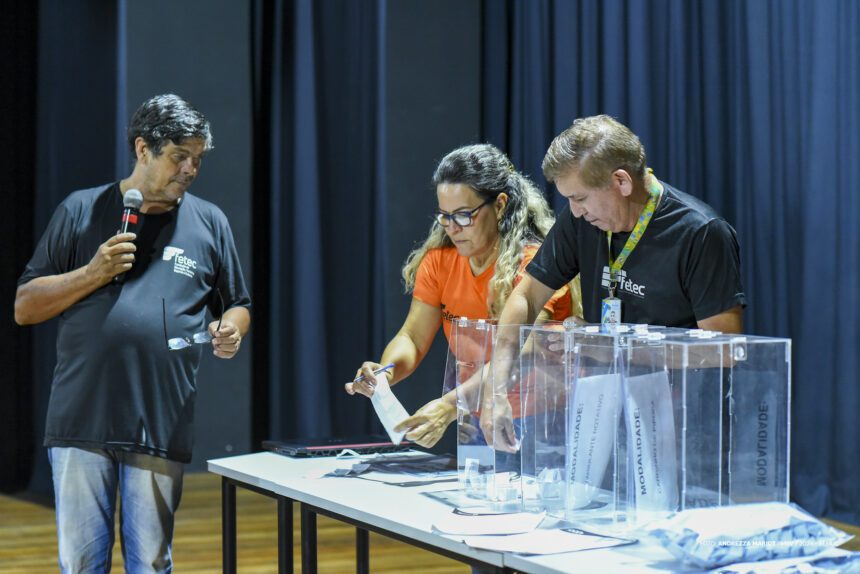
85 488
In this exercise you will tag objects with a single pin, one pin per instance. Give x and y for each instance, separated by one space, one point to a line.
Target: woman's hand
366 384
428 424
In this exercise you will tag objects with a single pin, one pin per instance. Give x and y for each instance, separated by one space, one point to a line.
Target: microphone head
132 199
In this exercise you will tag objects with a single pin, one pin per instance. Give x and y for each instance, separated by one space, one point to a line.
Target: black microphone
131 203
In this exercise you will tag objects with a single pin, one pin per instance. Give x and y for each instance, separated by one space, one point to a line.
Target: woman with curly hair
490 222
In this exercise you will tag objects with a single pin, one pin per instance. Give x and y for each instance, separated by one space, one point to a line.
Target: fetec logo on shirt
181 264
624 284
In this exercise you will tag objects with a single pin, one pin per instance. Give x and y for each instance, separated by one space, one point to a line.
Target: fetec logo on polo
181 264
624 284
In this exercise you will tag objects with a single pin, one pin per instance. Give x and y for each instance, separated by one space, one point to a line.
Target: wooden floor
28 539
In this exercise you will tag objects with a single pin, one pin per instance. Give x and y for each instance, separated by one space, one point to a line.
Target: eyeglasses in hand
177 343
461 218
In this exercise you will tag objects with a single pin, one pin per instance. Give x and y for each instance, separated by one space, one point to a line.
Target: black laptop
333 446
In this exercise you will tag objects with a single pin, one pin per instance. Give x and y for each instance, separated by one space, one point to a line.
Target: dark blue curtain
60 105
18 43
317 189
753 106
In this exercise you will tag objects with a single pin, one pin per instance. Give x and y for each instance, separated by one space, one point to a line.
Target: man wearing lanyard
647 252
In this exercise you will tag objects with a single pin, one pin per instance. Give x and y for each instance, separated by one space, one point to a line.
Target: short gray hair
596 146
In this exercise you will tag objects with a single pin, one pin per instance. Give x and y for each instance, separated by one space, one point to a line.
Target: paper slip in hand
388 408
495 524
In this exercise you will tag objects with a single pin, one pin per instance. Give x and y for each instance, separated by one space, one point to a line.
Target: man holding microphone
132 310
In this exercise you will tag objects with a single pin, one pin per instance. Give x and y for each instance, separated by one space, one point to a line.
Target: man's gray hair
596 146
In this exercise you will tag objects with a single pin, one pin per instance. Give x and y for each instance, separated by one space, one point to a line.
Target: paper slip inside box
388 408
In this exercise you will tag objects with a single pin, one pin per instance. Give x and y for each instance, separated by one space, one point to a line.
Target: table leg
362 546
285 536
228 526
309 540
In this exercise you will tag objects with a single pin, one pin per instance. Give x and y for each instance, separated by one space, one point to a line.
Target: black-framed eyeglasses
461 218
199 338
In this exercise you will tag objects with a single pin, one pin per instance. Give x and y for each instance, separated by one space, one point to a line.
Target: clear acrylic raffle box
542 423
707 421
622 425
617 426
596 464
489 387
573 435
496 388
759 404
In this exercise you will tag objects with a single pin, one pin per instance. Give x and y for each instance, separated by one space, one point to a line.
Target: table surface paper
495 524
543 542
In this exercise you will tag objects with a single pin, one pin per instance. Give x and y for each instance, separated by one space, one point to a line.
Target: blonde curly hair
526 219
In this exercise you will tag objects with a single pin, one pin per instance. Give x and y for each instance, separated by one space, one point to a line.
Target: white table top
395 509
406 512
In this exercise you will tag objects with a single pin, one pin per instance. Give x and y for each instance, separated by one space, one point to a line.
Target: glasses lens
178 343
202 337
443 219
462 218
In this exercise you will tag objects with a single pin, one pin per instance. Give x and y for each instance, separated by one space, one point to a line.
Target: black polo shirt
116 385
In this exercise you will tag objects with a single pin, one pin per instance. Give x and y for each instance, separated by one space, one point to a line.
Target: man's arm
730 321
45 297
522 308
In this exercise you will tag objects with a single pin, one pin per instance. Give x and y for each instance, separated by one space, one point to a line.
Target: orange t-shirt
445 280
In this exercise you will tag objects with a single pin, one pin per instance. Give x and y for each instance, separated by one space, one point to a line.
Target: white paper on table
405 479
781 565
542 541
388 408
495 524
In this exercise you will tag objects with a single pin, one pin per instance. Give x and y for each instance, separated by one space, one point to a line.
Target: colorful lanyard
654 191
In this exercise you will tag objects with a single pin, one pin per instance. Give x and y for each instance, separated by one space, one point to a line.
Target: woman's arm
406 350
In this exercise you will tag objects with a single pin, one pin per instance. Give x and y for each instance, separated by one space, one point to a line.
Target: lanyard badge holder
610 307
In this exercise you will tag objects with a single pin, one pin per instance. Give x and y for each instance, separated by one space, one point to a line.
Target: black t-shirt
686 266
116 384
